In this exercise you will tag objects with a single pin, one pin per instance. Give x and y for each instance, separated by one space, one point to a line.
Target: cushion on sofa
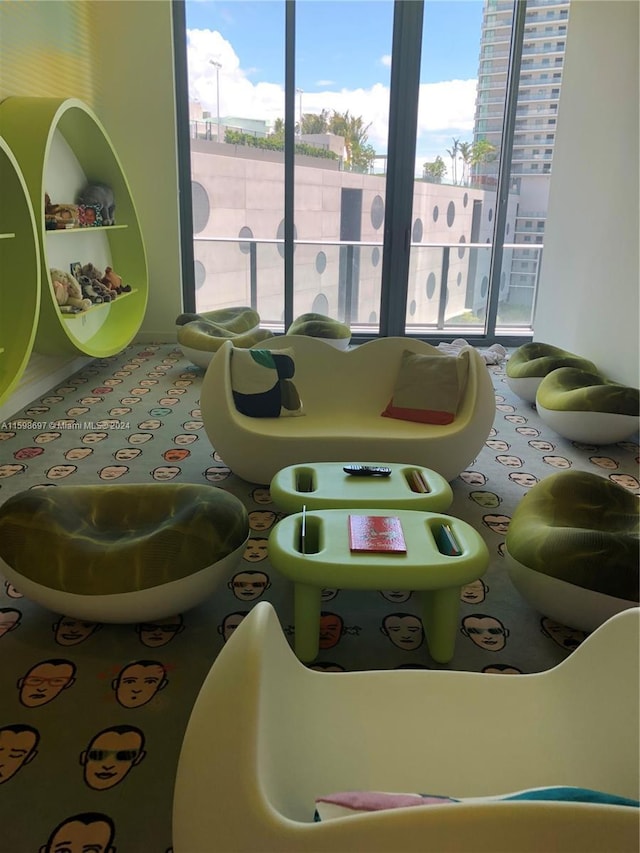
428 388
261 383
346 803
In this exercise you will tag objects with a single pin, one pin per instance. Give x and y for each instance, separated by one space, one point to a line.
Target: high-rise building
545 33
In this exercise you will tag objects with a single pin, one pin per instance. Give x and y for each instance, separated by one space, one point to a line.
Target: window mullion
504 170
289 157
401 151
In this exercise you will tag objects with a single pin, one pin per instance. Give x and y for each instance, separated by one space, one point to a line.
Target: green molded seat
201 335
531 362
584 406
319 326
572 548
238 319
121 553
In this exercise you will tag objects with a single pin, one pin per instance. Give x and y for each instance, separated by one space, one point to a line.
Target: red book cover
378 533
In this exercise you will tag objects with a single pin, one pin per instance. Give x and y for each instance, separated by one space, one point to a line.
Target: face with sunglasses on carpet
110 755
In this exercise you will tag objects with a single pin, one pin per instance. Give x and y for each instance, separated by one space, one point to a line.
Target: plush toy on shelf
102 196
59 216
94 275
114 281
68 292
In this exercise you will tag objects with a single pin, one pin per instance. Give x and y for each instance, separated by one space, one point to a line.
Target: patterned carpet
92 716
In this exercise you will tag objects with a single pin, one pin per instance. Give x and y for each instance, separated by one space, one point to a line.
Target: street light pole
217 66
300 92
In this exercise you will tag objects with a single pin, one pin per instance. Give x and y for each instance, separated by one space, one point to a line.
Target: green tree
434 172
453 153
482 151
359 154
465 149
314 122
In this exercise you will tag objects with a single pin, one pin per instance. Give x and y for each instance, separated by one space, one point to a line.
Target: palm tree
360 155
453 153
465 149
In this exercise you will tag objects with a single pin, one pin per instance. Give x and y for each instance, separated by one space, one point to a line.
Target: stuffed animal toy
95 275
102 195
68 292
114 281
89 291
58 216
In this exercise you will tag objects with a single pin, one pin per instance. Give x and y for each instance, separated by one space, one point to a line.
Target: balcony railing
447 290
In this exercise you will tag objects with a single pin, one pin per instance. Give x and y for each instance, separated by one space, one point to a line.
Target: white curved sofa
305 734
343 395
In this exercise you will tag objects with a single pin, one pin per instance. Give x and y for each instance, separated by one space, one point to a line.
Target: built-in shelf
19 272
89 229
102 306
60 146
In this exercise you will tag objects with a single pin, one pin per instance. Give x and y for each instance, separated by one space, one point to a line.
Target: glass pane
235 54
546 27
343 58
460 118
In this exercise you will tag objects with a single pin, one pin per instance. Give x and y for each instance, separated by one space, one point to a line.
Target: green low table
328 562
324 485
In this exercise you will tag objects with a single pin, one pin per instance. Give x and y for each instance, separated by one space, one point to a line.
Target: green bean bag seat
319 326
121 553
238 319
586 407
531 362
572 548
201 339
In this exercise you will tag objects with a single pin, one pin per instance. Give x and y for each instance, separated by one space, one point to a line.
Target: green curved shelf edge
29 124
19 273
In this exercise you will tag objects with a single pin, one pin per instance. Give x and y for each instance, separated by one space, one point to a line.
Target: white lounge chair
267 736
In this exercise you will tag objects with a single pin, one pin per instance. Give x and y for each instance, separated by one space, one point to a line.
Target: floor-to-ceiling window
466 274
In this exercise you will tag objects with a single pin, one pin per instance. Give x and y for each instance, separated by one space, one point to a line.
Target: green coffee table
324 485
328 562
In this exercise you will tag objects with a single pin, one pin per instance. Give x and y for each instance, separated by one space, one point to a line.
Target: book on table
377 534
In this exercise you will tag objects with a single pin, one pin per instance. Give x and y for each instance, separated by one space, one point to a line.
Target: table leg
306 617
440 608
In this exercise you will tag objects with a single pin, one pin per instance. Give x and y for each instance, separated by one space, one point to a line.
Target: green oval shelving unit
60 145
19 273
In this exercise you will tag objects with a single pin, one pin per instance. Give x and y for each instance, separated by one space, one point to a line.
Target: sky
343 59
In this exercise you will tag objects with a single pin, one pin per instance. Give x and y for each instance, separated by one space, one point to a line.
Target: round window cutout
431 285
412 307
508 227
490 214
416 234
199 274
245 231
465 199
280 236
373 318
484 286
200 207
320 305
461 248
377 212
375 256
451 213
459 279
436 213
321 262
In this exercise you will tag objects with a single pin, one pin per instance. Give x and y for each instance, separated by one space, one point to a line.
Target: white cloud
386 60
445 109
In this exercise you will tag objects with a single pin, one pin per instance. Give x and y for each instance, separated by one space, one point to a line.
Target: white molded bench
344 394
